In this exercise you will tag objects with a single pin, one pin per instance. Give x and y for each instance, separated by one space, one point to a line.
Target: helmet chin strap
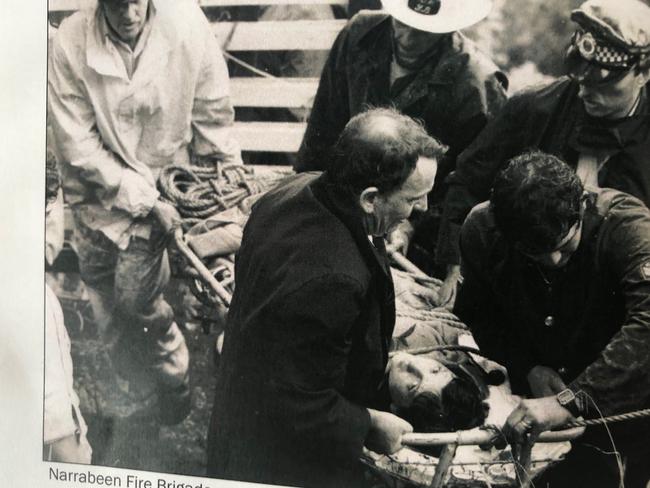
635 105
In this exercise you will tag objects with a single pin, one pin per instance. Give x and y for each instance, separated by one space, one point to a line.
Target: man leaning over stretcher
557 289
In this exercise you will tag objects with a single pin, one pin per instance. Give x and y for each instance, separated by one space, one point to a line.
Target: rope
637 414
425 350
199 192
250 67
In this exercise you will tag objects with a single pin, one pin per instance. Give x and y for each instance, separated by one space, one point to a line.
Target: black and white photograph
326 244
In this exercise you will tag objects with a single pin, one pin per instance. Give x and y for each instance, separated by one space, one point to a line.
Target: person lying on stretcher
439 390
437 397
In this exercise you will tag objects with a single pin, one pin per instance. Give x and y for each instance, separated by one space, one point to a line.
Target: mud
122 429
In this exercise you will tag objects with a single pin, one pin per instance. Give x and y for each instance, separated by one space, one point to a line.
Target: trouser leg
125 289
150 335
71 449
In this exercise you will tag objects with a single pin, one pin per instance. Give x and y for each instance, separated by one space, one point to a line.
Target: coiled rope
200 192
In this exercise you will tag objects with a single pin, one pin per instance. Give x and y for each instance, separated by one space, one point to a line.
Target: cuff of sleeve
135 195
581 403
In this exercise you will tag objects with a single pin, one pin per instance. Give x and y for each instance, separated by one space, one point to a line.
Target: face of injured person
409 376
126 17
392 208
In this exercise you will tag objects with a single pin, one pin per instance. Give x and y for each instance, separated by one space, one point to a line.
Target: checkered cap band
595 50
612 57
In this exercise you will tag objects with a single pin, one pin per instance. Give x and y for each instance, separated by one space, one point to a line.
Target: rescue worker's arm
476 168
531 418
212 112
311 366
479 307
80 147
619 379
476 109
330 111
475 304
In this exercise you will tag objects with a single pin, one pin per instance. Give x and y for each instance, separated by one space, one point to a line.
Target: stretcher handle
480 437
200 268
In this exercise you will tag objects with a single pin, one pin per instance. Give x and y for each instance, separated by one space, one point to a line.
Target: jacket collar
377 44
376 54
608 137
101 55
343 206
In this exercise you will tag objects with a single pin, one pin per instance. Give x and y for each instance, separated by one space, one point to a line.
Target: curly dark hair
380 147
460 406
536 199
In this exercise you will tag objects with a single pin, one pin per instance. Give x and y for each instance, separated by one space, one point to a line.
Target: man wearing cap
597 119
411 57
133 86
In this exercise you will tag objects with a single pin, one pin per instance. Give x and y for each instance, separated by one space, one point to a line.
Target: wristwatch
569 400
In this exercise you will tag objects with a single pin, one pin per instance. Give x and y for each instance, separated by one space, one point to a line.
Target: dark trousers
591 462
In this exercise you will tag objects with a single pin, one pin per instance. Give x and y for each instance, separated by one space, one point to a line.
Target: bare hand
447 291
545 381
167 215
386 430
531 418
399 238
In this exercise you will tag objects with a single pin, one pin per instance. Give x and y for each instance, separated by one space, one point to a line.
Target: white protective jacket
112 133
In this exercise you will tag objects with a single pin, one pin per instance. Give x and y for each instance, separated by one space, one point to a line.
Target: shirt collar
109 35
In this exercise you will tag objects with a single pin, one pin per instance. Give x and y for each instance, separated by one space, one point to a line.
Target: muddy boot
170 368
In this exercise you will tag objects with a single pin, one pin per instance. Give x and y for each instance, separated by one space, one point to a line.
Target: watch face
565 396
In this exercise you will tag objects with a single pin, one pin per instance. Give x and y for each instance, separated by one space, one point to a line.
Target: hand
399 238
544 381
167 215
447 291
531 418
386 430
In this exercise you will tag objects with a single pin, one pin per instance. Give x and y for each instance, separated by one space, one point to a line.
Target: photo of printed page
325 243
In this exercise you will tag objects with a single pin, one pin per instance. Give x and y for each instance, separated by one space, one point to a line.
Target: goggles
590 61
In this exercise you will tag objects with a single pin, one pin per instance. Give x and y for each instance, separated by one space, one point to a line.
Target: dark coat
455 93
552 119
590 321
306 342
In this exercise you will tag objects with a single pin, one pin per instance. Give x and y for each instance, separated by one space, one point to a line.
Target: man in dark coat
420 64
597 119
557 289
299 388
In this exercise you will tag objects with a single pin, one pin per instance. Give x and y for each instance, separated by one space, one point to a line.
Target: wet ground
122 431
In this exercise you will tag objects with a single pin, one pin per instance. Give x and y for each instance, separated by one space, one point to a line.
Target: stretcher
465 461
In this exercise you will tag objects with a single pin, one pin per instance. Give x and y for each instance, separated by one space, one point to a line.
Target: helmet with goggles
613 36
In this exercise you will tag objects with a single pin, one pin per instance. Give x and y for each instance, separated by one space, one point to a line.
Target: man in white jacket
133 86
